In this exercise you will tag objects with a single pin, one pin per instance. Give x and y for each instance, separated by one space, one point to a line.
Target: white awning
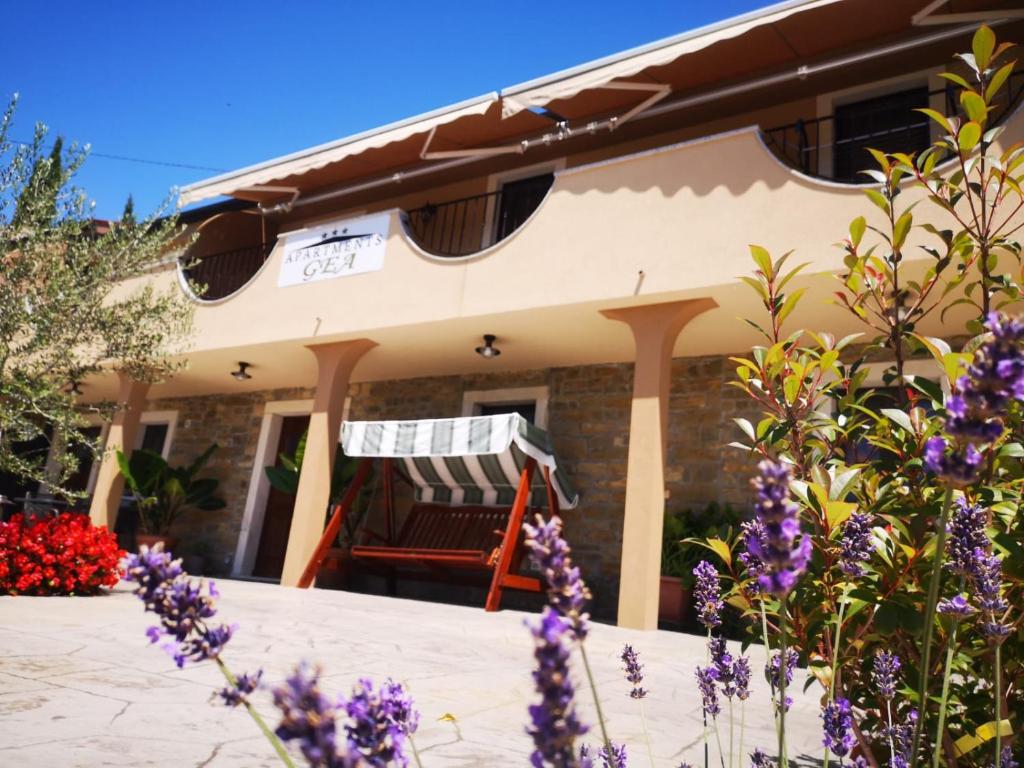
469 460
564 85
263 174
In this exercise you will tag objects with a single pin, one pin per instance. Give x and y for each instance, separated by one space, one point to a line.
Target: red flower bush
61 555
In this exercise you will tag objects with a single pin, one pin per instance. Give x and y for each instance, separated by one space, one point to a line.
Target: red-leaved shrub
61 555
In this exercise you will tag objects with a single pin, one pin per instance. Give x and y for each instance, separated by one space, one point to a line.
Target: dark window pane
153 437
79 480
887 123
527 410
519 199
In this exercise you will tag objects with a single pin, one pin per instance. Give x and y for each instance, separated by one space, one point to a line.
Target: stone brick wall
588 418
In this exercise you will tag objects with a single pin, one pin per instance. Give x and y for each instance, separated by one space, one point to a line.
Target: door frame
274 413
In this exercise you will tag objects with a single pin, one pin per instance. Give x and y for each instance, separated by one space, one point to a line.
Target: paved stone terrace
80 686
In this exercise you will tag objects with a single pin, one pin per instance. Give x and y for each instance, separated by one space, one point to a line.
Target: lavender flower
784 552
568 595
885 673
1006 759
554 725
772 674
585 760
634 672
707 593
759 759
837 724
379 722
902 735
741 674
617 758
245 684
988 583
959 468
958 607
708 691
310 719
967 536
754 540
182 605
855 546
974 415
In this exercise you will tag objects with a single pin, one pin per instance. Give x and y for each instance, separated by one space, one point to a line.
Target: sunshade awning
469 460
263 174
565 85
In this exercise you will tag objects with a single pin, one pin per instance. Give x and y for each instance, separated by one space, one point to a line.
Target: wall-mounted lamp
241 374
488 350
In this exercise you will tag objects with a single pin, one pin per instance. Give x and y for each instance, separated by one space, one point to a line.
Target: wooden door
277 519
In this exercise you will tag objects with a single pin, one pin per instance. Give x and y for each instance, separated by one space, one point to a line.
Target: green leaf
836 512
900 418
997 80
974 106
878 199
968 137
938 117
900 229
763 259
721 549
857 227
982 45
790 304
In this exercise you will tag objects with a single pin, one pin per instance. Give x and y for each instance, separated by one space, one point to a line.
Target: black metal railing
806 146
469 225
218 275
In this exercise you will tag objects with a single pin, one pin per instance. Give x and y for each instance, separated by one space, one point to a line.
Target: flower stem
257 718
415 752
707 661
999 704
647 735
767 650
929 625
743 726
892 746
946 674
783 667
597 706
835 665
731 741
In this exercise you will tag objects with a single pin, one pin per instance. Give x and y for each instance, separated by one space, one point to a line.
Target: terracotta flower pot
149 540
673 601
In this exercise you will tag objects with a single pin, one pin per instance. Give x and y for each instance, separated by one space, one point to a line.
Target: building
594 221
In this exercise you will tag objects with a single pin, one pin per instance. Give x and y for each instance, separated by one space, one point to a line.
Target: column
655 328
106 496
334 368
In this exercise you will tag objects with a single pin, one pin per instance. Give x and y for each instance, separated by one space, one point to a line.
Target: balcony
834 147
218 275
469 225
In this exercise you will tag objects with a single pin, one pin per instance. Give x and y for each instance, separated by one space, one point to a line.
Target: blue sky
224 84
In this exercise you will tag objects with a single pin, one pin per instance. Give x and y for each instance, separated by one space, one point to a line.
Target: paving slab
81 686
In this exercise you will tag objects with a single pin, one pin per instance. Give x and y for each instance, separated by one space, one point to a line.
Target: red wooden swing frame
508 553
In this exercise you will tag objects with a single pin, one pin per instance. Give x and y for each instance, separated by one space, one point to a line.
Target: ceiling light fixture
241 374
488 350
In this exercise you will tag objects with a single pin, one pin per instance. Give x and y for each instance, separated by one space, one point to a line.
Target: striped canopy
472 460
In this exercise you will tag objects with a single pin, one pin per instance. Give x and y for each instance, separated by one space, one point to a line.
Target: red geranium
61 555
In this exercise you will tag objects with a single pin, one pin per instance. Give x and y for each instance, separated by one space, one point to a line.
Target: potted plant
285 478
681 550
676 572
162 492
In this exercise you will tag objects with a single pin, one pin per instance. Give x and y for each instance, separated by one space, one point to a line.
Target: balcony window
887 123
519 199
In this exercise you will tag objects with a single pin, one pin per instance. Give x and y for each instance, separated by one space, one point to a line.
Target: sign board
335 249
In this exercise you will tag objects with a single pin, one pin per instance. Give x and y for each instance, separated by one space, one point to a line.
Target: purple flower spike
708 692
885 674
988 583
837 723
634 671
958 468
855 546
783 551
772 673
555 726
617 758
309 719
753 540
707 594
1006 759
183 606
967 537
379 722
957 607
741 674
568 595
245 684
759 759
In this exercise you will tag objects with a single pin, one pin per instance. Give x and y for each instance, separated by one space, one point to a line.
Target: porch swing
473 479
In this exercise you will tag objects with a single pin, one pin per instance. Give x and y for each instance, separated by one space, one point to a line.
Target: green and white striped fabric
470 460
